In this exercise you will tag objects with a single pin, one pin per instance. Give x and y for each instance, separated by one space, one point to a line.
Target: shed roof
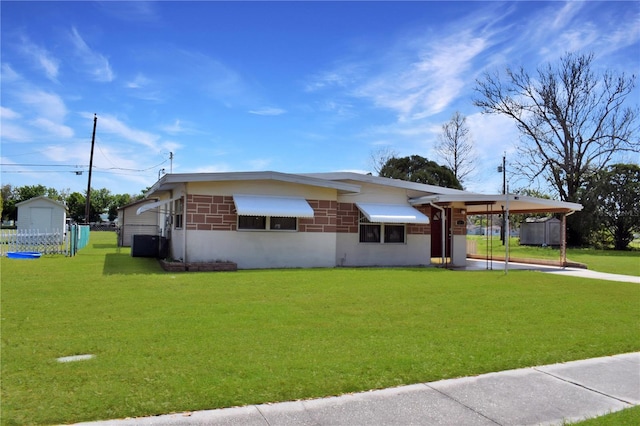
42 198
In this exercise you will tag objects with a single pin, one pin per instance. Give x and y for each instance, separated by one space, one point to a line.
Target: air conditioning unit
145 246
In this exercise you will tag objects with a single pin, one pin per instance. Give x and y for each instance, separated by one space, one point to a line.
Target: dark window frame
381 233
268 223
178 206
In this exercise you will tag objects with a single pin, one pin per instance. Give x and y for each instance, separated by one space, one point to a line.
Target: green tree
118 201
9 202
99 204
618 202
76 203
27 192
418 169
572 120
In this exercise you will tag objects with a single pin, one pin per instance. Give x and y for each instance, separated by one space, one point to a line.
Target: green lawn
611 261
168 342
627 417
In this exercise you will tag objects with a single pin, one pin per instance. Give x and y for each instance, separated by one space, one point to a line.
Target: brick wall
458 216
217 213
324 217
418 229
211 213
347 218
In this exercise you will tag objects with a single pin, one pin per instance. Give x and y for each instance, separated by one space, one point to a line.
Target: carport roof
497 203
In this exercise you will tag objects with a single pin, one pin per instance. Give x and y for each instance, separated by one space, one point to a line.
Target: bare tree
455 147
379 158
572 120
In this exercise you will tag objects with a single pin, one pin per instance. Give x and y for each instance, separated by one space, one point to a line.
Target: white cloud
13 132
8 113
344 75
138 82
95 63
426 86
565 15
9 75
174 128
212 168
54 129
42 58
268 111
45 104
109 124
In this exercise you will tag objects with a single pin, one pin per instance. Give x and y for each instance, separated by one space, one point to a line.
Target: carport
480 204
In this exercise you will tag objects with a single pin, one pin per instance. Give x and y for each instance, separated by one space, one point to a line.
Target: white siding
257 249
41 214
350 252
132 224
459 250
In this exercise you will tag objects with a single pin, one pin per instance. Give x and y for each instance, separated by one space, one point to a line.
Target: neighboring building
42 214
544 231
130 223
281 220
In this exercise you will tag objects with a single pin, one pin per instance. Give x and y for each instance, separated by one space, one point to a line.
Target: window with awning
392 213
263 205
262 212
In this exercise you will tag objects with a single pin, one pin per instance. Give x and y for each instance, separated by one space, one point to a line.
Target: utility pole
171 162
87 208
503 169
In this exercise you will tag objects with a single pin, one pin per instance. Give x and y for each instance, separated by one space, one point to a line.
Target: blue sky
287 86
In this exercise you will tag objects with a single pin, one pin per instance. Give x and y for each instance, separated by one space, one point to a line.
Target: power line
84 166
78 172
43 165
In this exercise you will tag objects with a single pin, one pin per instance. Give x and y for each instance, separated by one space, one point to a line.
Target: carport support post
563 241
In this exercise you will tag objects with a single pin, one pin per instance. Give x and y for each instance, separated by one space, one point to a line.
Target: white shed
42 214
130 223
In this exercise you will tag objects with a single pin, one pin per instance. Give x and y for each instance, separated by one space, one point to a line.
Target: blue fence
78 238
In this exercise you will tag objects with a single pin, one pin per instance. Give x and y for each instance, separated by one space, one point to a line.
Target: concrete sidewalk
546 395
478 265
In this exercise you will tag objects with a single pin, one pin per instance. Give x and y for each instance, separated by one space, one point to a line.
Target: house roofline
170 181
143 200
379 180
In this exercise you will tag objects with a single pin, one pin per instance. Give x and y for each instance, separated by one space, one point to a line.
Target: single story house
42 214
282 220
130 223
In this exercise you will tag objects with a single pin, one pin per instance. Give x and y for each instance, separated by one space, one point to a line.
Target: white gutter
184 224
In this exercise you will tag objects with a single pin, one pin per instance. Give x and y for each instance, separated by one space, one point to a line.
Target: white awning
150 206
392 213
263 205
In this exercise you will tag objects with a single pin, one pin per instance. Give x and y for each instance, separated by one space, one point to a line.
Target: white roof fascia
150 206
392 213
378 180
263 205
516 202
168 179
